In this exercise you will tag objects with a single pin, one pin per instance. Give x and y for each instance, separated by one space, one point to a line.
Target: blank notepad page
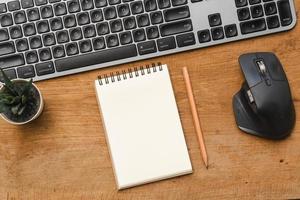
143 128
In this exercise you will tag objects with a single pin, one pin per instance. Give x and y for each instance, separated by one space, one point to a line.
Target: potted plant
20 100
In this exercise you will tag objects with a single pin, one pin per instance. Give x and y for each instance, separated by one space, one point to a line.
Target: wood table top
64 155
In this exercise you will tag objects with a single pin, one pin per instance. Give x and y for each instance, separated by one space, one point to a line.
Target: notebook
142 126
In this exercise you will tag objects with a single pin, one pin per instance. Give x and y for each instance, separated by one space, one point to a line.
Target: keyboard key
3 34
114 2
204 36
83 18
215 20
10 73
46 12
112 40
22 44
123 10
96 15
87 4
152 32
75 34
35 42
231 30
217 33
19 17
44 68
178 2
180 13
129 23
6 48
166 43
44 54
143 20
2 8
186 39
100 3
56 24
176 27
270 8
13 5
58 51
102 28
139 35
85 46
33 14
110 13
273 22
26 72
40 2
31 57
116 26
150 5
243 14
69 21
253 26
89 31
125 38
241 3
72 49
60 9
285 12
257 11
163 4
48 39
251 2
98 57
54 1
6 20
62 37
136 7
98 43
13 60
73 6
42 26
15 32
147 47
156 17
27 3
29 29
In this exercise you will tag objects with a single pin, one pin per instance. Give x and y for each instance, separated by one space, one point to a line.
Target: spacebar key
96 58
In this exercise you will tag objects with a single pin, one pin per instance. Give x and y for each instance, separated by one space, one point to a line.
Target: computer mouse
264 105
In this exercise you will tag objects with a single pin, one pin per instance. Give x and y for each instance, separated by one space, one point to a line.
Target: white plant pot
39 111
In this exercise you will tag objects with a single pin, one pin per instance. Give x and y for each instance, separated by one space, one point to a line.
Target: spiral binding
129 73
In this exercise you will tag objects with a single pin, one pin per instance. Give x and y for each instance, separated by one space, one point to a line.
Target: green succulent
15 97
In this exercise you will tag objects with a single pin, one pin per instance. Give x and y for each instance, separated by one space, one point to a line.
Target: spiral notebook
142 125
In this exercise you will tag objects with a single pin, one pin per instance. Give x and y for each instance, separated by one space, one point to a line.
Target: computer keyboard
42 39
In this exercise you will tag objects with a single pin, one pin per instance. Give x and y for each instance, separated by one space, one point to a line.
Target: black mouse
264 105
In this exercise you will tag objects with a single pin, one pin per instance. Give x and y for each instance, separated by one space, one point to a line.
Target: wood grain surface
64 155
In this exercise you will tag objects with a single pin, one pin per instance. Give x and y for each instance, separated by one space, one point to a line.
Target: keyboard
43 39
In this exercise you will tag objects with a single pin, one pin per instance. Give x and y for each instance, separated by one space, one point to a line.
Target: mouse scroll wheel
250 96
262 67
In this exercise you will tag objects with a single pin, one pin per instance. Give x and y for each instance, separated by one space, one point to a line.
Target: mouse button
249 69
274 67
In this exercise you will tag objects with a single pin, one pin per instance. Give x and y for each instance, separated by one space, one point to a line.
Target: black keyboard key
15 32
85 46
13 5
257 11
6 48
45 54
150 5
44 68
251 2
217 33
87 4
102 28
35 42
73 6
243 14
116 26
110 13
186 39
98 57
147 47
6 20
270 8
69 21
72 49
156 17
60 9
58 51
273 22
29 29
178 2
143 20
96 15
56 24
112 40
100 3
3 34
114 2
75 34
253 26
89 31
40 2
129 23
152 32
215 20
83 18
204 36
177 13
176 27
26 72
3 8
42 26
48 39
20 17
62 36
54 1
10 73
285 12
167 43
123 10
241 3
33 14
27 3
231 30
125 38
22 44
46 12
31 57
98 43
163 4
139 35
13 60
137 7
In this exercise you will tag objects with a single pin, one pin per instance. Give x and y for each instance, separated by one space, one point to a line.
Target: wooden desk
63 155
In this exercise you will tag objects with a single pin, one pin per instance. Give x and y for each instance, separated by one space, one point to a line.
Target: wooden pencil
195 115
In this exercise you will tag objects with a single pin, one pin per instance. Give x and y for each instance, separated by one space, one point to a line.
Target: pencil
195 115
